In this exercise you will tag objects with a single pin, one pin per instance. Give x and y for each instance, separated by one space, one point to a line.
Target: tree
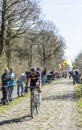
78 61
2 23
49 43
18 16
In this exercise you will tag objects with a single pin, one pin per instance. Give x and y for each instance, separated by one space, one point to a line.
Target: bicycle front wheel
32 108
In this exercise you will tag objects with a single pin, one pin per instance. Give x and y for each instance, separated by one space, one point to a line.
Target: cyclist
34 77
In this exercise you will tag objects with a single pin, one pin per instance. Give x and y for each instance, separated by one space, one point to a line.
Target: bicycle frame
35 104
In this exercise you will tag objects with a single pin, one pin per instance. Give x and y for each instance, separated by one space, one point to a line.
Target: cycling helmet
33 69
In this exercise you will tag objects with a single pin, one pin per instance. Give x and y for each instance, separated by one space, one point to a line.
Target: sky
67 16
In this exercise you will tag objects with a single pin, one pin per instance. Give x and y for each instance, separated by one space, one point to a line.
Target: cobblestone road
57 111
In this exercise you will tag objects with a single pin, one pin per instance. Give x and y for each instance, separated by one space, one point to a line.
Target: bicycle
34 101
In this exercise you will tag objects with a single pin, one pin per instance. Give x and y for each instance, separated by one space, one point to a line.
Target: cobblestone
57 111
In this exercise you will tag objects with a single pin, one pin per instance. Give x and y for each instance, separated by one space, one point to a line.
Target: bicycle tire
36 109
32 108
37 104
34 104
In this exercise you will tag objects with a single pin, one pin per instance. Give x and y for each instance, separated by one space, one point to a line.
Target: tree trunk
2 26
8 55
44 57
30 57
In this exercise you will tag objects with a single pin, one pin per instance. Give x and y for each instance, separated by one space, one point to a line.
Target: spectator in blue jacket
11 83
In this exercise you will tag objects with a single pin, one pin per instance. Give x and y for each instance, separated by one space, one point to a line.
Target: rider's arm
38 83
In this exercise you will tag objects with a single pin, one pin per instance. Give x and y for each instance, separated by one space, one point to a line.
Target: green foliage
78 93
79 104
78 90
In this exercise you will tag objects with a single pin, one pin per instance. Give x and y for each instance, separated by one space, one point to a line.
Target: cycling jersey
33 78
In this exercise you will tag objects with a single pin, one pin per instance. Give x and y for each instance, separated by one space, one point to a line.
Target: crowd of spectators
75 74
9 80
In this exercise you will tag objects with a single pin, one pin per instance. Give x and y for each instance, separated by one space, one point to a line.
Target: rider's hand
39 91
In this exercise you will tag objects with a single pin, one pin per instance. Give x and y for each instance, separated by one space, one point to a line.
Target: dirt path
56 112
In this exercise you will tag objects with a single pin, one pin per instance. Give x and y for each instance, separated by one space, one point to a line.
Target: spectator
4 87
74 75
49 77
70 73
20 85
11 83
43 76
77 75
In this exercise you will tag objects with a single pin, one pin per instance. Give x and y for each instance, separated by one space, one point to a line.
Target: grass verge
78 93
13 103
